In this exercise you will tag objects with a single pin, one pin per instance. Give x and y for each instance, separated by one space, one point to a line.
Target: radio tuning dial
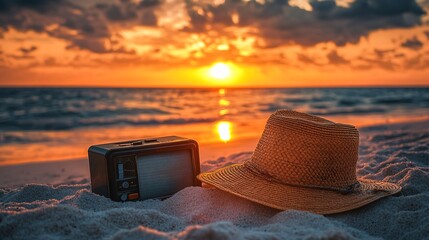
124 197
125 184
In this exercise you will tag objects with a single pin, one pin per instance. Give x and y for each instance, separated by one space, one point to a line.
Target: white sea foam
397 153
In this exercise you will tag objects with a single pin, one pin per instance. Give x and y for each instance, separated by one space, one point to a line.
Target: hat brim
240 181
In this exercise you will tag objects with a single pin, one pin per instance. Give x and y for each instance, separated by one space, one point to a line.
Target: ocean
50 124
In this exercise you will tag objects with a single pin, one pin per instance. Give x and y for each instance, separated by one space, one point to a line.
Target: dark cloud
50 61
26 15
20 57
279 23
40 6
370 63
221 13
336 59
28 50
149 3
427 34
149 19
399 55
276 21
329 22
197 21
96 46
306 59
418 62
376 8
412 43
382 53
114 12
90 26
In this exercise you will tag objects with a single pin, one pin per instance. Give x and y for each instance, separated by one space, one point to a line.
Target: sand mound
396 154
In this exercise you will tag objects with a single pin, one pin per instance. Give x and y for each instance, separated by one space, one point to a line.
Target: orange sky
173 43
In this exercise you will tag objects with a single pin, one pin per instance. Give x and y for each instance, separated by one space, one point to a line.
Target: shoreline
77 170
244 138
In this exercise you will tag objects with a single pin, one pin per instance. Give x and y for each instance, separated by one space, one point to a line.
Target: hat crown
305 150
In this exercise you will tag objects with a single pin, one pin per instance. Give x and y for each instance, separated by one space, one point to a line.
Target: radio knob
124 197
125 184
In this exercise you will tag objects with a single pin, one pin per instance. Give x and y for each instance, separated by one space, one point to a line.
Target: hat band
354 187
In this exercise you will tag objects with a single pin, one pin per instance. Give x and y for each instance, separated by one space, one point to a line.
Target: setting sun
220 71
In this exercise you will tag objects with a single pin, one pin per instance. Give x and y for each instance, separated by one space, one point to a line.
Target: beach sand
67 209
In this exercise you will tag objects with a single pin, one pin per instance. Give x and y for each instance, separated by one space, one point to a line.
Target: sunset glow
214 43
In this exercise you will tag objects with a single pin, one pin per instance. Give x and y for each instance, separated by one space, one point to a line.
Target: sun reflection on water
223 112
224 130
223 102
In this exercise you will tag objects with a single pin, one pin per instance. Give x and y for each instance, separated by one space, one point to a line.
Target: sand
396 153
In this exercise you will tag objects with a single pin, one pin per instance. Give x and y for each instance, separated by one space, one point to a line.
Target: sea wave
64 109
67 124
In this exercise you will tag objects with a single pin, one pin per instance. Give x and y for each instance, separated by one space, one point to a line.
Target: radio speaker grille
163 174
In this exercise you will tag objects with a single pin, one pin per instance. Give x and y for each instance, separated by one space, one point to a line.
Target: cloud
40 6
12 14
128 10
20 57
280 23
149 3
116 13
370 63
87 28
149 19
382 53
336 59
412 43
40 16
306 59
27 51
419 62
241 25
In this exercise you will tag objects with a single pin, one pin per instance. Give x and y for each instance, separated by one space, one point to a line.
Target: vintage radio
144 169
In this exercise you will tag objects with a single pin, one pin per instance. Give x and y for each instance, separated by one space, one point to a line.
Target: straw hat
302 162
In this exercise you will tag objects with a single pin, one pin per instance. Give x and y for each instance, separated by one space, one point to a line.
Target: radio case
144 169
